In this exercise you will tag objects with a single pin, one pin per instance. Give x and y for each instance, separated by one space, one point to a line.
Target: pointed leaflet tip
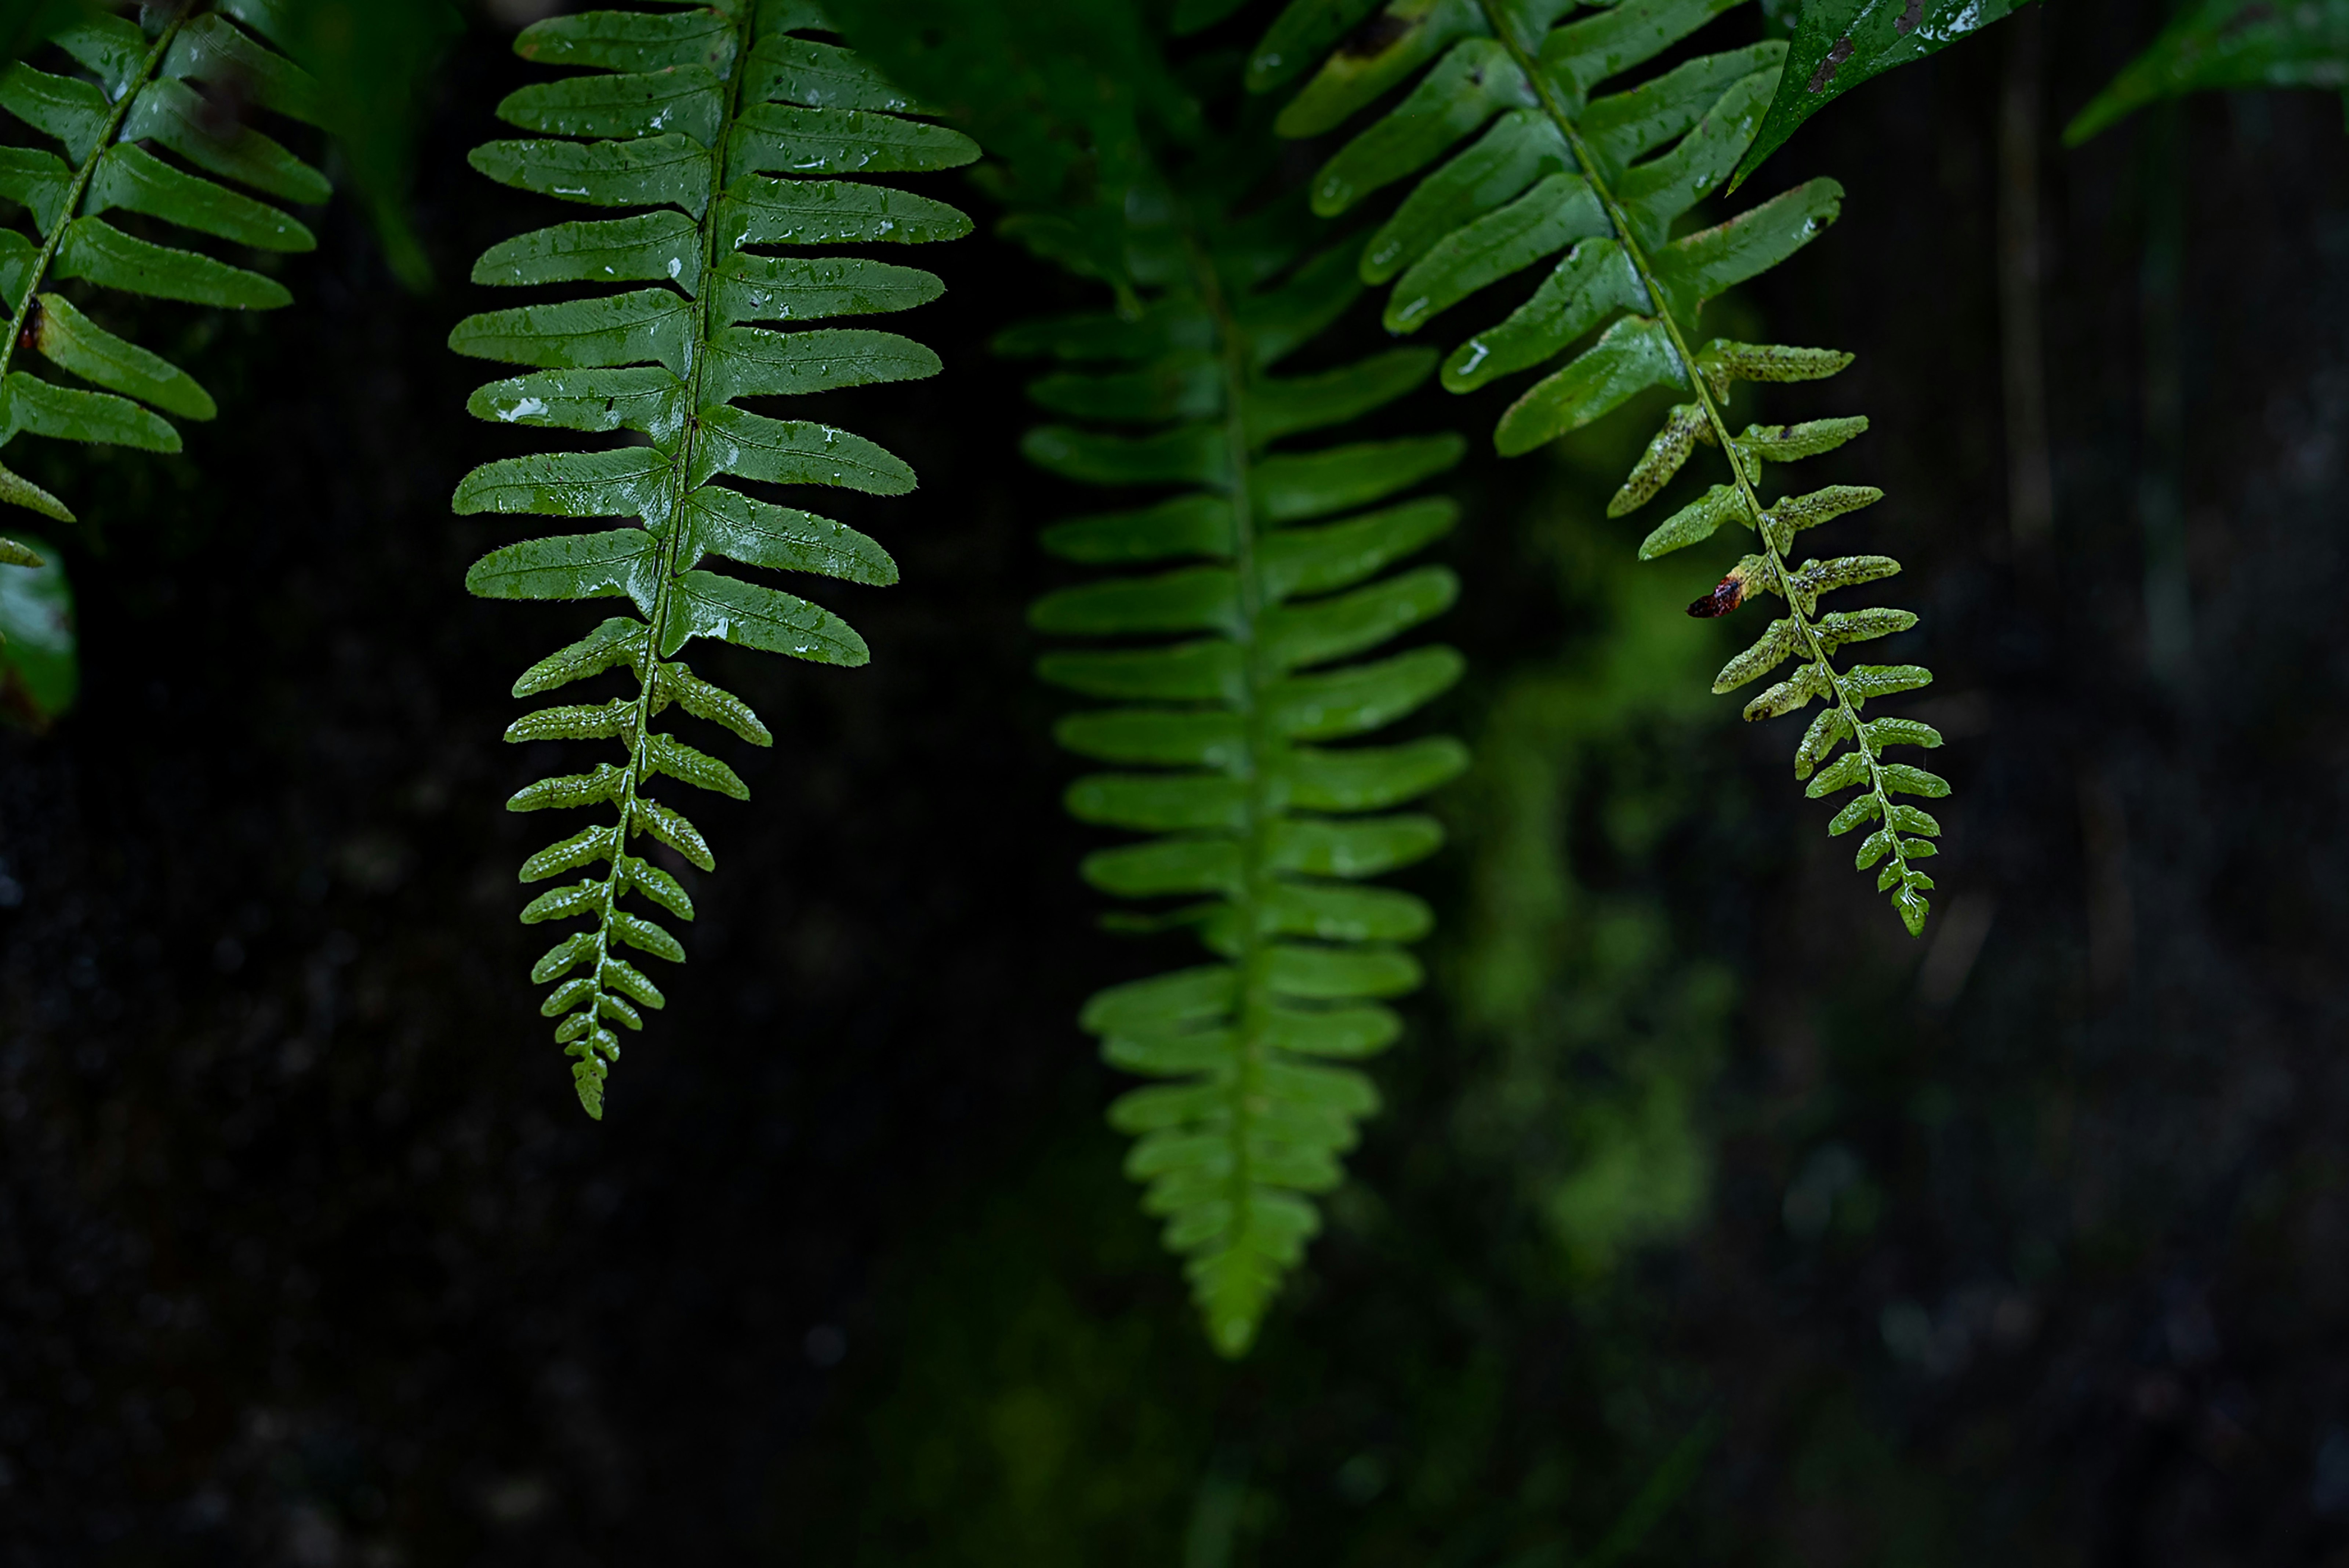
18 491
1839 43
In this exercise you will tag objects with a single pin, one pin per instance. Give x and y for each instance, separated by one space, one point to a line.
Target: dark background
2032 1239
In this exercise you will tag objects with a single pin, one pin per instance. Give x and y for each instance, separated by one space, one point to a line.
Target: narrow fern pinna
688 113
1250 812
139 96
1599 183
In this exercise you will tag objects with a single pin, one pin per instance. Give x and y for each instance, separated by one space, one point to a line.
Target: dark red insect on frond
1726 596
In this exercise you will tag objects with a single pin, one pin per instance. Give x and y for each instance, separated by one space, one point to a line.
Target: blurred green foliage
375 60
39 676
25 23
2222 44
1052 1401
1067 97
1607 1032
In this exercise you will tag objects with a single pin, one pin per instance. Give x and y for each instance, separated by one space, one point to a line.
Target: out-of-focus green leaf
2228 44
1066 95
1181 390
25 23
40 671
373 62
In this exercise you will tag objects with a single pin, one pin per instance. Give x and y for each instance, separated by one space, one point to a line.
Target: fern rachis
1603 180
697 113
137 98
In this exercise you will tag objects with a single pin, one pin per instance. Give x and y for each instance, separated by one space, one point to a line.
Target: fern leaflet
1253 817
687 114
1603 180
141 96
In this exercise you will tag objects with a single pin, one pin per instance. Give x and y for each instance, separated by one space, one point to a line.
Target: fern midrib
680 477
1658 302
1248 1013
67 210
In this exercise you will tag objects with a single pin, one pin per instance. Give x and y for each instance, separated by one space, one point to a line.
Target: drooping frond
1243 592
139 135
692 117
1593 188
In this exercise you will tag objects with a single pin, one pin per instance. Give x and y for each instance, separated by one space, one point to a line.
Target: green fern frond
1595 187
1268 577
138 136
689 115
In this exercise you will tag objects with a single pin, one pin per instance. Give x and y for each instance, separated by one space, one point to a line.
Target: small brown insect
1726 596
30 339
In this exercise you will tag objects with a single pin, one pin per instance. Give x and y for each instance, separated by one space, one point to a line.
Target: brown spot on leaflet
1827 68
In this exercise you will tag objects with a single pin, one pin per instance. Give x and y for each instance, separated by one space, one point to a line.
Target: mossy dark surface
2029 1245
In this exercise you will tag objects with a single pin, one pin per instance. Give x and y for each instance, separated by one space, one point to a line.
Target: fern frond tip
689 116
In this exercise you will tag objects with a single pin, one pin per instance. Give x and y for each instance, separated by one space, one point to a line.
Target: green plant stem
1250 960
55 237
1783 579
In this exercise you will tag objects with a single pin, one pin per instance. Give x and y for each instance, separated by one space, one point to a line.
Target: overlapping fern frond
1244 597
146 117
1593 188
691 114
